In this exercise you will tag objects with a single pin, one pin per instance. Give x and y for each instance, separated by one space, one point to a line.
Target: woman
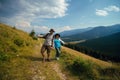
57 45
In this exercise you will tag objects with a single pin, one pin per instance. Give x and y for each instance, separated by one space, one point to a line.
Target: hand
52 48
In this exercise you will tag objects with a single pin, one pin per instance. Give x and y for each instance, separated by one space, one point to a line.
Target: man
47 44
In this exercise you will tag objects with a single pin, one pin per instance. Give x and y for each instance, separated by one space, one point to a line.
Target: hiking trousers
58 52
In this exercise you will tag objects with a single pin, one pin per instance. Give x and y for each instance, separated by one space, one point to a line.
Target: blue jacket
57 43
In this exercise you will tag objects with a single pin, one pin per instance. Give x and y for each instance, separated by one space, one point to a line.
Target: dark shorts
44 48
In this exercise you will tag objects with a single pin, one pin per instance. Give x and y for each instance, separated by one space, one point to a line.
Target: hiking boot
48 60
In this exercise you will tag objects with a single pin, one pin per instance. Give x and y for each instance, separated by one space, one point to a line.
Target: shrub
27 43
14 27
32 33
112 72
13 48
4 56
19 42
81 66
85 69
35 38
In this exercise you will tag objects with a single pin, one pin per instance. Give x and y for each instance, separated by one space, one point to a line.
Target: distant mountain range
93 33
109 45
75 31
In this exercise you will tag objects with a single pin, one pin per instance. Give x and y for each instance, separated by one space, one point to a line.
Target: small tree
14 27
32 33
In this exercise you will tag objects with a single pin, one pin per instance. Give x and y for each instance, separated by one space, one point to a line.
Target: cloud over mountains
106 10
23 12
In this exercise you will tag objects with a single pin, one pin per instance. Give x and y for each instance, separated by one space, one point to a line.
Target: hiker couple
51 41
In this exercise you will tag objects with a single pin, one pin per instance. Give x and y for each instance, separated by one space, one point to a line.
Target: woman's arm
61 41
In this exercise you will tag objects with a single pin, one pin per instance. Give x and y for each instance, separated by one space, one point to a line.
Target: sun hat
51 30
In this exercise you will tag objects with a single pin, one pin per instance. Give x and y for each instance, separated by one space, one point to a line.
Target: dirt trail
58 71
51 70
47 70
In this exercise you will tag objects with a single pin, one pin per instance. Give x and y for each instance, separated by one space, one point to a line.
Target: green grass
13 44
20 57
86 69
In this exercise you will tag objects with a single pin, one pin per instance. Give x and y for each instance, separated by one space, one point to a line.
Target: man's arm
42 36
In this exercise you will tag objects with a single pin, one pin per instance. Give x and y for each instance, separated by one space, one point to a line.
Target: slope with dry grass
88 68
86 57
20 59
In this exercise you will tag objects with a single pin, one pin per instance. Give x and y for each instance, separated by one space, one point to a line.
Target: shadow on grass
32 58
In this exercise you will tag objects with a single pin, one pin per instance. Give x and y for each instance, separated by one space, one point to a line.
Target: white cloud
38 29
67 28
101 13
45 29
23 24
105 11
60 29
27 11
44 8
41 29
112 8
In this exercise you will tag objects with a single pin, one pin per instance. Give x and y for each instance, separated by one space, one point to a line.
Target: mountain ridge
94 33
75 31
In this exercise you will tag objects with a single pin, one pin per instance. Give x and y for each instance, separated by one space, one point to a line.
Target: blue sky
41 15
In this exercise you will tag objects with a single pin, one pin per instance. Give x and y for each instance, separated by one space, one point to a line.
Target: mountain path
45 70
49 70
58 71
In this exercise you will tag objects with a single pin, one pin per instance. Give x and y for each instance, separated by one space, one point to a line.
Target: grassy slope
88 68
86 57
24 62
20 57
